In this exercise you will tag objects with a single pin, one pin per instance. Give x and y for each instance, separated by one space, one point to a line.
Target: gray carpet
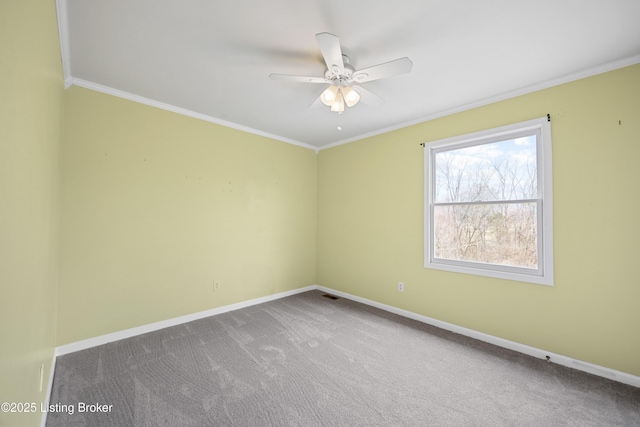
307 360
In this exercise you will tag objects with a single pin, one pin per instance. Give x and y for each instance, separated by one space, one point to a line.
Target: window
488 203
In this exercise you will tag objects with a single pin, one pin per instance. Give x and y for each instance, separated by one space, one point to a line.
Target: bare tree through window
485 206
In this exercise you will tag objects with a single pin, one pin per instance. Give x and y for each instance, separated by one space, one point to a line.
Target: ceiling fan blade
367 97
300 79
381 71
331 52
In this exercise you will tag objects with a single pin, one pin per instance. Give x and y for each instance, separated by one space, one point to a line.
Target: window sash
538 271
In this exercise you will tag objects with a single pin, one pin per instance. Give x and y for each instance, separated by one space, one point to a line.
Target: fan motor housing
340 77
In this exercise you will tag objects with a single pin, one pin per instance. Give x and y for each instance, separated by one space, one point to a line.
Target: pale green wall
156 206
370 225
31 107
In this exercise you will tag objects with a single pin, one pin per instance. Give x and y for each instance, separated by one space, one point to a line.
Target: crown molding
69 80
65 47
610 66
183 111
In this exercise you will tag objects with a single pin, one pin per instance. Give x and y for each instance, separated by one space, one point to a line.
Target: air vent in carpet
330 296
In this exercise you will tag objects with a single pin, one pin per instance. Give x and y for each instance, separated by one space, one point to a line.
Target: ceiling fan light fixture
340 74
351 97
329 95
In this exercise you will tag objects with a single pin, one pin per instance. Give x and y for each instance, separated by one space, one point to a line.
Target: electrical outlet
216 286
400 287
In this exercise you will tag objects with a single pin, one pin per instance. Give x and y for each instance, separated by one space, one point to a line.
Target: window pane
504 170
502 233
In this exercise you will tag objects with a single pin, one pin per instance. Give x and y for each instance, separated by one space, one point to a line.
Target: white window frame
543 275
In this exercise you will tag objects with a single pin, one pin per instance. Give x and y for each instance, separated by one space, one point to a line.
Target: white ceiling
212 58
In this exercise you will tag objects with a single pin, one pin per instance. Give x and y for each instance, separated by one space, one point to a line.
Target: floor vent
330 296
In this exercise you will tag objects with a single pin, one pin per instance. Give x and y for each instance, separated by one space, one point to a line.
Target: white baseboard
559 359
139 330
47 397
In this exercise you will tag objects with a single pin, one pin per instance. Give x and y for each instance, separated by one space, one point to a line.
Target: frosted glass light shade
338 104
351 97
329 95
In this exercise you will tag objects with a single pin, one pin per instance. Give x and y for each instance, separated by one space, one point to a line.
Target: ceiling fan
343 77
